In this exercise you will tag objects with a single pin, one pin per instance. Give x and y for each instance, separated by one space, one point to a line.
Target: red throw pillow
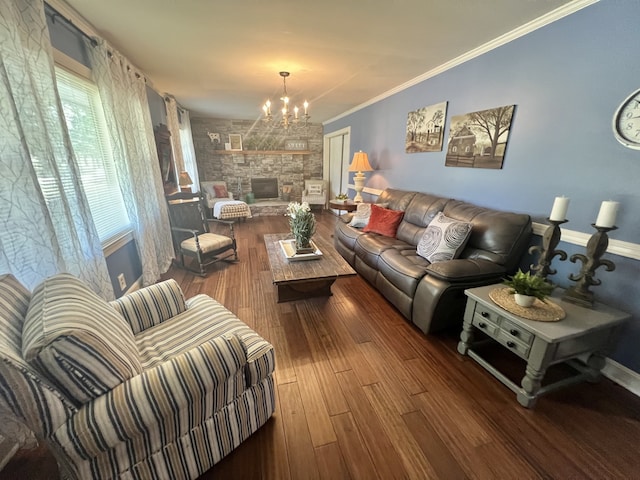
383 221
221 191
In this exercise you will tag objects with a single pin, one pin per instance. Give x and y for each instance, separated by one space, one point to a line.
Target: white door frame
326 151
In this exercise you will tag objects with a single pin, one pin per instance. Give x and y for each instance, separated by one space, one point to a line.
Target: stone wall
256 161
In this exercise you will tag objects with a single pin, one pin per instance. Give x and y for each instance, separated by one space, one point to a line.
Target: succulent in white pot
527 288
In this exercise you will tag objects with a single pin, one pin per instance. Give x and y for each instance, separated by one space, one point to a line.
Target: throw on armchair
215 191
315 192
147 386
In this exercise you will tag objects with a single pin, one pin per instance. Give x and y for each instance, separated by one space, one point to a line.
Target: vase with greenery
526 285
342 197
302 223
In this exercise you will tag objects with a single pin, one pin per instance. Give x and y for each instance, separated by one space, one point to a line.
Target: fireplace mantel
262 152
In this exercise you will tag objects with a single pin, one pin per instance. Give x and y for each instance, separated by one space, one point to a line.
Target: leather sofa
431 295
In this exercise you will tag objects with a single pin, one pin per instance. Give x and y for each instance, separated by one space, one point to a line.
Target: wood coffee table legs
304 289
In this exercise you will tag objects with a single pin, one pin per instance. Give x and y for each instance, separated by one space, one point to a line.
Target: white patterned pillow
360 219
315 189
444 239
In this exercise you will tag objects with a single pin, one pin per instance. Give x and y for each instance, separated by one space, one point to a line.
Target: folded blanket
231 209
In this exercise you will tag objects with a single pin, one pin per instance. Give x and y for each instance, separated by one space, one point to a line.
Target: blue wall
566 80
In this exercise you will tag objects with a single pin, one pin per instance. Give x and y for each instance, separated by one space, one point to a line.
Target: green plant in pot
527 288
302 223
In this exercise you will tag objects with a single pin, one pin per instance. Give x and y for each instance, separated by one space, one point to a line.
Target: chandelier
289 119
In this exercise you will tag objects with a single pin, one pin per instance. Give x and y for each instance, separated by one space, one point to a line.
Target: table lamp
185 182
360 163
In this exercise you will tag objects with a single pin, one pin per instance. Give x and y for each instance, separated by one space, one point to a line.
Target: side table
348 206
581 339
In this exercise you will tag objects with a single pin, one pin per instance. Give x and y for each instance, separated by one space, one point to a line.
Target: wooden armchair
192 238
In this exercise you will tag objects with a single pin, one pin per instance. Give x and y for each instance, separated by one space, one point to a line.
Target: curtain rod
67 22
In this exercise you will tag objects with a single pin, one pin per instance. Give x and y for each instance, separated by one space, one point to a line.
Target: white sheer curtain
124 99
179 125
188 152
45 221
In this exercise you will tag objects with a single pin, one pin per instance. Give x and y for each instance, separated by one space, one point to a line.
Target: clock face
626 121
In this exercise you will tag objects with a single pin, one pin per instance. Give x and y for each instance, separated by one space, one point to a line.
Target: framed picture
235 141
425 129
479 139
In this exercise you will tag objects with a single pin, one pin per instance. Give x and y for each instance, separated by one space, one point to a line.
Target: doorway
336 160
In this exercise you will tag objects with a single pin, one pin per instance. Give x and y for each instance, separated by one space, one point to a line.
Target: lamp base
358 181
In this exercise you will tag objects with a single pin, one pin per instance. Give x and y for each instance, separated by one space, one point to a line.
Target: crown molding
514 34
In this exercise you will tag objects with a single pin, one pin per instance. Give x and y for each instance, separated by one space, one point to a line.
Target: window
87 128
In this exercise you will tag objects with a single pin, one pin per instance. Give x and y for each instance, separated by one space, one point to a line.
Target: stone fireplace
264 158
265 188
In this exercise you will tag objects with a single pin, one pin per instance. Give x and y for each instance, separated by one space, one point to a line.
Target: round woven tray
540 311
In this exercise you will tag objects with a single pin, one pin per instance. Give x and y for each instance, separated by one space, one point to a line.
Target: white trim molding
616 247
622 375
514 34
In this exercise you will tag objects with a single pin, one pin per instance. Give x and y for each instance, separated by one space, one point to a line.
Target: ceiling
221 58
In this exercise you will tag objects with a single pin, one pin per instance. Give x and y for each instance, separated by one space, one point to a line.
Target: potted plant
342 198
302 223
527 288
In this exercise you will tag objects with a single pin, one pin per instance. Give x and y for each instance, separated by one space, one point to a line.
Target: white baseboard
622 375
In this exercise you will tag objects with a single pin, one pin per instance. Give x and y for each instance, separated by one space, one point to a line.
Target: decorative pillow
444 239
361 216
77 339
315 189
221 191
383 221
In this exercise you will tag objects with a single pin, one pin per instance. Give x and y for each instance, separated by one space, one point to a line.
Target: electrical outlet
214 137
122 281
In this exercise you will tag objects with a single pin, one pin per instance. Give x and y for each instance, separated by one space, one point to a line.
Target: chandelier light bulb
287 119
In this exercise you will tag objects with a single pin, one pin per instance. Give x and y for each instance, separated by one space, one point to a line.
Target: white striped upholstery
77 340
158 344
151 306
184 412
22 390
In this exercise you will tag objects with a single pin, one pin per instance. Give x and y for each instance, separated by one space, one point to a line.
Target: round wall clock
626 121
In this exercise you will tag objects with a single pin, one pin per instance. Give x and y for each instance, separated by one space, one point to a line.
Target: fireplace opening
263 188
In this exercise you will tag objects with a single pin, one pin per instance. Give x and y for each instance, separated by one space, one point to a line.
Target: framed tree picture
479 139
425 129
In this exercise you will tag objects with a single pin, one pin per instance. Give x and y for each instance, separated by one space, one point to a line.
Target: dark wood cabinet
165 157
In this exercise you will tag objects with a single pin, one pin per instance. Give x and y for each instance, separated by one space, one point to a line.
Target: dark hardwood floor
361 394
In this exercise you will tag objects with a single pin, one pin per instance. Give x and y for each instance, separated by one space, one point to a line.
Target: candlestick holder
550 240
596 247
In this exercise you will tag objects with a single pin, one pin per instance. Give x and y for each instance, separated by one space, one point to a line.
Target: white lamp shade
360 163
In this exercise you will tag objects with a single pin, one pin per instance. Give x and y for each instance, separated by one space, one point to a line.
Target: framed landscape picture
425 129
479 139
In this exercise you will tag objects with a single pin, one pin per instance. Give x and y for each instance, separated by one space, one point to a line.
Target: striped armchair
147 386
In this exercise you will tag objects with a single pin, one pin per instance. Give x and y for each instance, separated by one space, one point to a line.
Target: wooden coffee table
296 280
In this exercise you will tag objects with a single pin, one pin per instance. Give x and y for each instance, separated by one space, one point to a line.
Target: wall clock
626 121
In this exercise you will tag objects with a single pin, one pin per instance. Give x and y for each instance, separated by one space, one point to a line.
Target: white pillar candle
559 210
607 215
